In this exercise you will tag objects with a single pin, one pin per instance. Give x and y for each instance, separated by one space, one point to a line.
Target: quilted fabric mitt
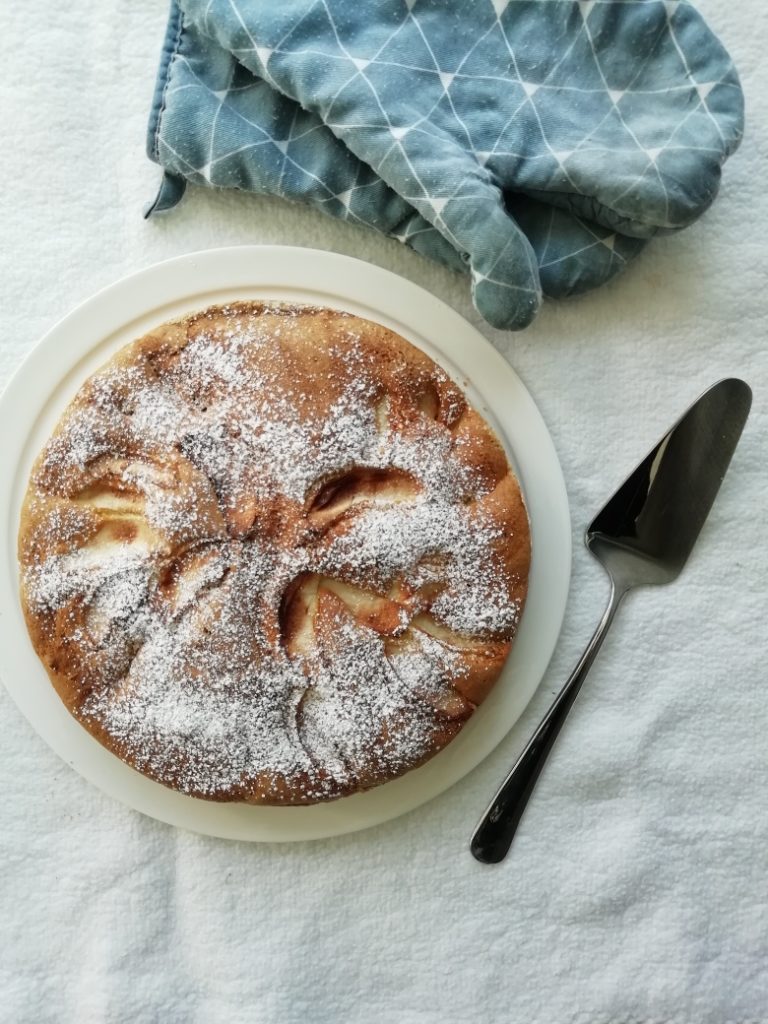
214 123
622 112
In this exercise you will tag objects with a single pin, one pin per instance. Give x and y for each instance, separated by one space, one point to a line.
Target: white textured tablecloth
636 890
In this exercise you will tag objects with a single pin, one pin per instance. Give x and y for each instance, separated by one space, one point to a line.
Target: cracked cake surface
271 554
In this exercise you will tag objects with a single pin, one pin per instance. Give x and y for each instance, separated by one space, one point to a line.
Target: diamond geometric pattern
536 142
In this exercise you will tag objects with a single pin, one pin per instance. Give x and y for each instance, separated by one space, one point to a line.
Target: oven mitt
618 112
214 123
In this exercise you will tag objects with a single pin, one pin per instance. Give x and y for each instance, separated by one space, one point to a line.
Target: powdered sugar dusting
204 473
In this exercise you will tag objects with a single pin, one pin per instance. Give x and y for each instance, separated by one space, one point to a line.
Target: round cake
270 554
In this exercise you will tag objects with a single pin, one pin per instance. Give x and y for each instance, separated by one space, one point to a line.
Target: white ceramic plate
84 340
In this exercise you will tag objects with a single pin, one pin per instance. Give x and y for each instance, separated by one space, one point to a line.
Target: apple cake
271 554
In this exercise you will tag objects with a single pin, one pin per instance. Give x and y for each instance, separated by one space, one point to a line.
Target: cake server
643 535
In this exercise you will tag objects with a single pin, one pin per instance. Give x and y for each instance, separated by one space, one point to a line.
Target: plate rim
344 282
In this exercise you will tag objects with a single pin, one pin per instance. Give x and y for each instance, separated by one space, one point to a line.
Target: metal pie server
643 535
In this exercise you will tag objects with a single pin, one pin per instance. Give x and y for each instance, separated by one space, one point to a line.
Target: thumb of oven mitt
214 123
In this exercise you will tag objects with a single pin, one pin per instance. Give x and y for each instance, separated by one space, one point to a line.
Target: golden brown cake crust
271 555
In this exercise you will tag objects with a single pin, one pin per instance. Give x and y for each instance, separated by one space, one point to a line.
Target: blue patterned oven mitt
536 141
214 123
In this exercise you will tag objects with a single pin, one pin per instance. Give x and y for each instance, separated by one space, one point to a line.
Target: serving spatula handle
493 836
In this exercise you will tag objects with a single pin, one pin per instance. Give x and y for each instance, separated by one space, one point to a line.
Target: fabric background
636 890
